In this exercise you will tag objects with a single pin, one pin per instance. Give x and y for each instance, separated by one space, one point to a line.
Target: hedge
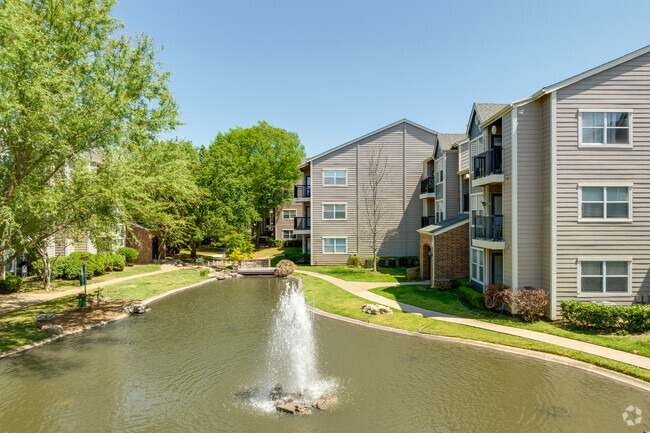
471 296
130 254
10 284
297 257
608 318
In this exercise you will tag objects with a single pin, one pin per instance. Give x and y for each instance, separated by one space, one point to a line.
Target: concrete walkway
361 290
19 300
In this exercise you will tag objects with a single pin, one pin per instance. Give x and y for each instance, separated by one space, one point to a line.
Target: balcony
301 225
301 192
428 187
428 220
487 231
488 167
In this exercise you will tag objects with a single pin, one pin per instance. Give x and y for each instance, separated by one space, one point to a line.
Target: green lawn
383 275
328 297
446 302
264 251
17 327
206 252
32 284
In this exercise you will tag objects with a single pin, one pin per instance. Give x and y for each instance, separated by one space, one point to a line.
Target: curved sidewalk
361 290
20 300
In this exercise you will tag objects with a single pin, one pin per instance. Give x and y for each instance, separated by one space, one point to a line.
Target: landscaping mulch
93 313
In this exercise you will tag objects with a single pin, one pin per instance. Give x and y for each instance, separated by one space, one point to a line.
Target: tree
375 227
70 91
270 158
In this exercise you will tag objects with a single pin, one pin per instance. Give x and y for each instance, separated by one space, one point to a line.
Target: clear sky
335 70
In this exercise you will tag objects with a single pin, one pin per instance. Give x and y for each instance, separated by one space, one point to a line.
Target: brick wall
425 262
451 255
142 240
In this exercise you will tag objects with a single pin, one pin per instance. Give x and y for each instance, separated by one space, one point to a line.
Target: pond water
191 362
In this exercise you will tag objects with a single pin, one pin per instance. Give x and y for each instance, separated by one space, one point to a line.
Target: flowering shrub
498 296
530 303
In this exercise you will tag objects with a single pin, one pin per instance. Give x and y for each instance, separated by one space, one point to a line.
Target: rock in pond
326 402
53 329
44 318
134 308
295 408
376 309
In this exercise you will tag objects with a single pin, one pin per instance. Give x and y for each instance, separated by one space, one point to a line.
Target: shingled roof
487 110
446 141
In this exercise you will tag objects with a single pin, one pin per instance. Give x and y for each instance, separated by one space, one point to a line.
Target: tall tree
70 90
270 157
375 228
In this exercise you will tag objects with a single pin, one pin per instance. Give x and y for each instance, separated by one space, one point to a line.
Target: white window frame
471 262
292 237
630 188
345 208
285 211
605 145
335 251
335 169
604 272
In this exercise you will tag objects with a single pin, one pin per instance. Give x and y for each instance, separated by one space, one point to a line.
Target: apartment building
560 187
333 187
284 221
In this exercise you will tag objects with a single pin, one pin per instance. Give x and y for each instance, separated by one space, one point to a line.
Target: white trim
553 288
293 236
482 251
334 203
515 201
328 185
629 145
289 210
605 294
370 134
335 237
605 220
445 230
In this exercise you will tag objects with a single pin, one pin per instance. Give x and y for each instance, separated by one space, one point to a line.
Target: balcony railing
428 220
302 191
428 185
488 162
301 223
488 228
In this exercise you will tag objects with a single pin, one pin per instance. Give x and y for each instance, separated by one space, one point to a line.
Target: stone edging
48 340
585 366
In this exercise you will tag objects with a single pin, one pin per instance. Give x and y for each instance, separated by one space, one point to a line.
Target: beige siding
451 185
286 224
405 147
463 158
507 198
529 194
626 86
546 192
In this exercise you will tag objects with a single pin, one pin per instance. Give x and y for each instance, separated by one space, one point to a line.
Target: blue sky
335 70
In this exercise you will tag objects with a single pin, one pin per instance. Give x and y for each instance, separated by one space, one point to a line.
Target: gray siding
625 86
507 198
451 184
463 159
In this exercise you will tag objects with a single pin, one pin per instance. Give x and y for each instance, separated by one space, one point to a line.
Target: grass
446 302
328 297
33 284
204 251
17 328
383 275
264 251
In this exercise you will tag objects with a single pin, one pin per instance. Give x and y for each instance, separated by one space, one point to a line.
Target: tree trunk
257 231
47 267
374 263
3 264
193 249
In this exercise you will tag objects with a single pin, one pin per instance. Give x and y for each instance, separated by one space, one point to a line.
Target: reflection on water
192 363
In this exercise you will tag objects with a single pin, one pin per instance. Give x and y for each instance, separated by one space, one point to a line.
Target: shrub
455 283
236 255
298 257
295 243
240 242
200 260
530 303
130 254
607 318
471 296
285 268
498 296
117 262
94 264
10 284
355 261
394 261
204 272
274 243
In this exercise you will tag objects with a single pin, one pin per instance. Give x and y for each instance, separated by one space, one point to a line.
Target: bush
455 283
236 255
355 262
498 296
117 262
204 272
394 261
298 257
10 284
471 296
274 243
285 268
295 243
130 255
530 303
607 318
200 260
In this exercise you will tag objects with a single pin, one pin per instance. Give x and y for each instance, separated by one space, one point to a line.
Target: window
606 128
288 235
334 211
477 265
335 245
605 202
598 277
335 177
289 214
440 213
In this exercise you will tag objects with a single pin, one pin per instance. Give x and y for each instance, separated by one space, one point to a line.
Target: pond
191 362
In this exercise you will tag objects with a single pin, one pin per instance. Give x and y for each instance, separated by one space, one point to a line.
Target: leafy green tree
71 92
270 157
